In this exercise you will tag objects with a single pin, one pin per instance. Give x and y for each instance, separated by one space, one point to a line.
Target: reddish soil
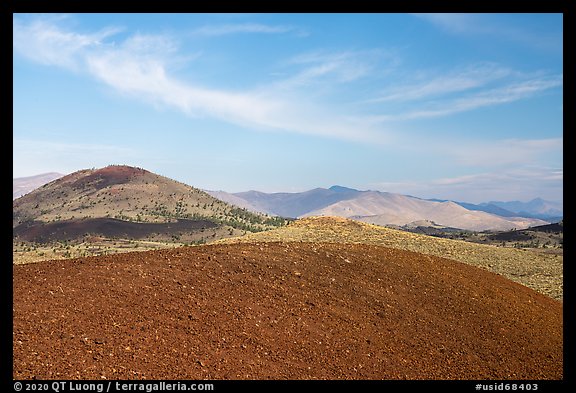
113 174
280 311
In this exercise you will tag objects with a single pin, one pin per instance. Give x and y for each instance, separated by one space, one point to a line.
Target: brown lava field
279 311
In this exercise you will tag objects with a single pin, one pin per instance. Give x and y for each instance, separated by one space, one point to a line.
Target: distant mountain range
380 208
536 208
385 208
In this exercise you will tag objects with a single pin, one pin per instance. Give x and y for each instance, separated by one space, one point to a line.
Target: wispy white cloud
247 28
146 77
315 68
470 77
442 106
502 95
139 67
499 153
43 42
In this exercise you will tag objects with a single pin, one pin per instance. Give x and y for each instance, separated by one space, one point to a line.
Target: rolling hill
124 201
550 235
539 271
386 209
279 311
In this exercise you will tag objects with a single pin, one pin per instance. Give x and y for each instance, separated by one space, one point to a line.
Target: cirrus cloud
139 67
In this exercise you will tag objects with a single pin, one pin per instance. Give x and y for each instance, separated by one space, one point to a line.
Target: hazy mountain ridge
24 185
385 208
537 207
484 207
296 204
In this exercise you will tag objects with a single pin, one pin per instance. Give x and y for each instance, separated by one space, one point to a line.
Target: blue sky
456 106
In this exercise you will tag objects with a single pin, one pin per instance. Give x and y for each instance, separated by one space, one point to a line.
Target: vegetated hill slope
541 272
279 311
23 185
94 196
557 227
550 235
386 208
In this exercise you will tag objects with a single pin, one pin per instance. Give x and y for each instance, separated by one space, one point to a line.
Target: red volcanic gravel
279 311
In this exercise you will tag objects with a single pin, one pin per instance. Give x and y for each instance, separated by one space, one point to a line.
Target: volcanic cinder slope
539 271
124 201
279 311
